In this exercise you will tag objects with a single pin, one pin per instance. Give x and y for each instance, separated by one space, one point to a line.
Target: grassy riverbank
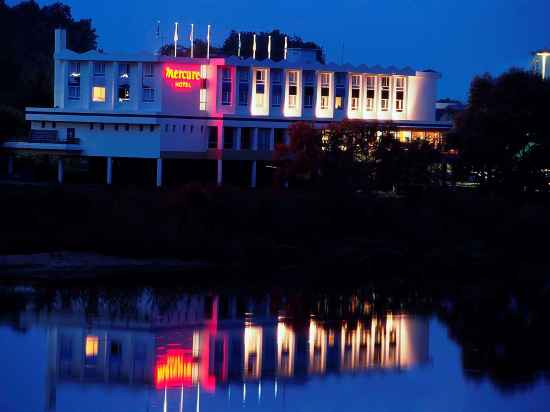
279 231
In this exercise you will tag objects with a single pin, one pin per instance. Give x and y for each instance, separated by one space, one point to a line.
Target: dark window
399 95
152 127
116 127
43 124
127 127
54 125
70 133
102 126
260 88
279 136
141 128
385 94
191 129
243 86
212 137
183 129
123 92
173 128
355 93
91 126
325 91
370 94
246 138
228 138
293 90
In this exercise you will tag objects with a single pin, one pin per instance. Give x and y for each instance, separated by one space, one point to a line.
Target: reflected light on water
252 368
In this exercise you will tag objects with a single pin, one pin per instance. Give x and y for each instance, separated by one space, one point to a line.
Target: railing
44 136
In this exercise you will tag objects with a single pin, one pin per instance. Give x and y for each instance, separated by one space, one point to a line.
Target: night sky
459 38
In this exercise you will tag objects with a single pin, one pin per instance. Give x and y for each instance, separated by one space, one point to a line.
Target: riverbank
298 233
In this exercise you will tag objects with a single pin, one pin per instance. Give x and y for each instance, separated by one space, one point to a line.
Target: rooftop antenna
176 38
208 42
191 40
239 48
254 47
269 47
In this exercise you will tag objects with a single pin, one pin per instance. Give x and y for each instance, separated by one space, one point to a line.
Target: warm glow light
98 94
92 346
317 348
252 352
285 349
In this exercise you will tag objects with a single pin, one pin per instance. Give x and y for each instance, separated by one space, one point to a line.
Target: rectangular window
260 87
276 87
226 86
340 90
263 140
123 93
228 138
124 70
325 90
74 80
355 91
308 96
292 88
99 69
385 93
246 138
148 94
70 133
399 93
243 86
212 137
371 92
98 94
148 70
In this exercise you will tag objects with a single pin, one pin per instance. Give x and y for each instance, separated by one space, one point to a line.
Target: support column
60 170
109 170
219 179
253 175
159 172
238 134
271 139
254 143
10 165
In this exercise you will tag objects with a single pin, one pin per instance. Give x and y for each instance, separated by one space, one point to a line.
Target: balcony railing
44 136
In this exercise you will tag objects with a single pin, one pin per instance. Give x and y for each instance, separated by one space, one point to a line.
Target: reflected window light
252 352
92 346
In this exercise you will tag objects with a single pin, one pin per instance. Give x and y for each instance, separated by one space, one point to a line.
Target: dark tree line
26 50
503 137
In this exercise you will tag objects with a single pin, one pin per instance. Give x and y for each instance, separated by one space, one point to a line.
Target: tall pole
208 42
254 47
286 47
176 38
239 48
269 47
192 40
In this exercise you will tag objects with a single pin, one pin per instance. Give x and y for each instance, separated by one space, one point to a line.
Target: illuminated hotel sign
181 77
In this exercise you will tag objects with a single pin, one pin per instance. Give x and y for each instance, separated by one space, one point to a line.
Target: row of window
123 69
263 138
309 89
175 128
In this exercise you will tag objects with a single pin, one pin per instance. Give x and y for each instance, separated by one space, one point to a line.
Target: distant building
446 109
223 109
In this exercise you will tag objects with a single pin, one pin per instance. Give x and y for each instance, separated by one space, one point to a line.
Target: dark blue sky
459 38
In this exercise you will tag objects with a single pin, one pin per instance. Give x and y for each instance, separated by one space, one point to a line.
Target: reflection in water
194 346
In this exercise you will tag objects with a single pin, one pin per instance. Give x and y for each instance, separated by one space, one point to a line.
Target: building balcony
43 139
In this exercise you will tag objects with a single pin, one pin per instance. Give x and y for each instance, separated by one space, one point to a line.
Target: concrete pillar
159 172
253 175
60 170
238 134
254 143
271 139
220 137
219 179
10 165
109 170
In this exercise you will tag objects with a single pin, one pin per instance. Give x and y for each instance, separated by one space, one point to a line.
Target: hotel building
221 110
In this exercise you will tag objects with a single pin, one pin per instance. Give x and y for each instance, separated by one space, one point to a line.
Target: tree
26 66
301 158
503 136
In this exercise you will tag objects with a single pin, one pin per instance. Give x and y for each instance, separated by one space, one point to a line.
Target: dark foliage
26 76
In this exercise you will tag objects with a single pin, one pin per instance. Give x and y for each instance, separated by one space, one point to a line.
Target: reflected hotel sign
174 369
181 77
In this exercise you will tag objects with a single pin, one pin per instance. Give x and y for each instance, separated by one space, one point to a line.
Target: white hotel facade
220 109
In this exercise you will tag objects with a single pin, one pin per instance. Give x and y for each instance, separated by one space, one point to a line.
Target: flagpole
286 47
208 43
191 40
176 38
269 47
239 49
254 47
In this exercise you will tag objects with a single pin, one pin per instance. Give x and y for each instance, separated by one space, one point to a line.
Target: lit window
148 70
260 87
203 91
355 91
399 93
91 346
385 93
340 90
98 94
292 88
325 90
226 86
148 94
371 92
99 69
74 80
338 104
124 70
